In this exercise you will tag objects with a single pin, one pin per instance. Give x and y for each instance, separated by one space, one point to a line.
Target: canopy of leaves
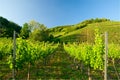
39 32
25 31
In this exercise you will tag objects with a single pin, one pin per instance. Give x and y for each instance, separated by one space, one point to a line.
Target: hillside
83 32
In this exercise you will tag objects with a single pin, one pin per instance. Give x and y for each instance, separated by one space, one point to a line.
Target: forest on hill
7 27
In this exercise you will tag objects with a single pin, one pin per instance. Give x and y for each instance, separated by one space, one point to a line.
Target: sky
58 12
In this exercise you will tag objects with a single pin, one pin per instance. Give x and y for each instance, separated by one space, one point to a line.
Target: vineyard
44 60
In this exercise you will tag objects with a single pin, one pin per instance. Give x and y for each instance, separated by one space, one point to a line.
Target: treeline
89 21
95 20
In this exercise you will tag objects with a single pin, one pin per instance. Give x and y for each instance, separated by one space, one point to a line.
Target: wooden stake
14 54
106 54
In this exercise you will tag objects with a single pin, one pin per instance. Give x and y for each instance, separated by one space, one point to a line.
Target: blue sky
58 12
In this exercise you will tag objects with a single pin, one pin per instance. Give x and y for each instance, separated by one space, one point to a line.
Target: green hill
84 31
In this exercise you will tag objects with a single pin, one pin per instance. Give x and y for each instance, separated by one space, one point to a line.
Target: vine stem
113 60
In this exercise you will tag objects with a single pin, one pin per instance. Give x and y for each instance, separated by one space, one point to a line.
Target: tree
33 25
39 32
35 31
25 31
40 35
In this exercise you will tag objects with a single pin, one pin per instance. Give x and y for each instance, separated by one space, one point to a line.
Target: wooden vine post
106 55
14 54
